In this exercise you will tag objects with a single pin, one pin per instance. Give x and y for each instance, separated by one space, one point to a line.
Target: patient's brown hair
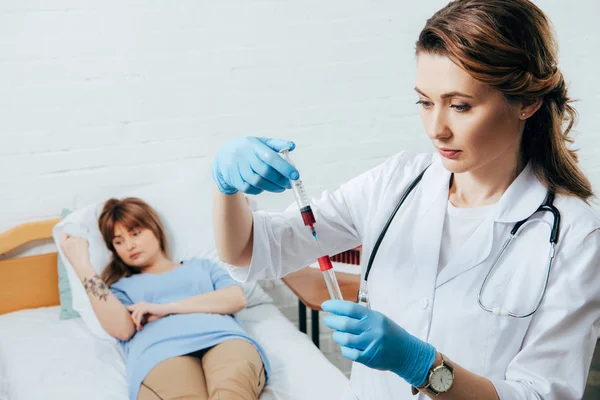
132 213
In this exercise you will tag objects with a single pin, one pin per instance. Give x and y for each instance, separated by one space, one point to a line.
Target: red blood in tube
307 216
325 263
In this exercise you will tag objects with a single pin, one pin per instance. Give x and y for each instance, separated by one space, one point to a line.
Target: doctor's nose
438 128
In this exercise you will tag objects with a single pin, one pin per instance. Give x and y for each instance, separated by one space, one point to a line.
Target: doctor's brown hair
510 46
132 213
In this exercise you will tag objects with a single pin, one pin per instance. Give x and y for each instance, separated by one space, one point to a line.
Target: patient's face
137 247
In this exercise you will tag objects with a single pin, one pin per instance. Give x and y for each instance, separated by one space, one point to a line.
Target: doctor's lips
448 153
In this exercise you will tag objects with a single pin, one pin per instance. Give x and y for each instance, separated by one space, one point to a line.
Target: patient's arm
223 301
232 224
112 314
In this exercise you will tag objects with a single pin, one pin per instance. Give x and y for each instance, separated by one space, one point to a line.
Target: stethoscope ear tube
362 296
389 221
547 205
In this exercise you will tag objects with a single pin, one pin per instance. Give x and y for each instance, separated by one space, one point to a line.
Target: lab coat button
424 303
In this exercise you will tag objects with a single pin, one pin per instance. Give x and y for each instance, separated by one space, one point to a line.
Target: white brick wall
99 95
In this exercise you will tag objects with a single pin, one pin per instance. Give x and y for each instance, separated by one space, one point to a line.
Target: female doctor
445 319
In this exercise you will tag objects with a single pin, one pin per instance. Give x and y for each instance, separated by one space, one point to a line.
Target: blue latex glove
252 165
372 339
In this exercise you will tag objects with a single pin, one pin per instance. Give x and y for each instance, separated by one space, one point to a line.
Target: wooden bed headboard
28 282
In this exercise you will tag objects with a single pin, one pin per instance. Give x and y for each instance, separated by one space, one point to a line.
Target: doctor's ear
529 107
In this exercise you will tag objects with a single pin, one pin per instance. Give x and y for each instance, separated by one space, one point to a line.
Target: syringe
309 220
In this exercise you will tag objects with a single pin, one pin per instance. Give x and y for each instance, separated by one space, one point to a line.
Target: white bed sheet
43 357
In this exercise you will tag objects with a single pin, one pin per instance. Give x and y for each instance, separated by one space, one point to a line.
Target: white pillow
184 206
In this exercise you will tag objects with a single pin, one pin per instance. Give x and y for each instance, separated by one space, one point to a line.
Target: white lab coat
546 356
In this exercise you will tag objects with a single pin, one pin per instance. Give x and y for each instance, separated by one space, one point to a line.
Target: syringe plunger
297 185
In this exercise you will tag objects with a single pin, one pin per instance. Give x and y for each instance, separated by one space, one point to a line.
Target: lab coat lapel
522 198
431 209
519 201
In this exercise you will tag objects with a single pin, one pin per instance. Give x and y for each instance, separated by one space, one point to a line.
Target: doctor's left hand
370 338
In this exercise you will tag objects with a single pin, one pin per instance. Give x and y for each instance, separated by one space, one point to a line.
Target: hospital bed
44 357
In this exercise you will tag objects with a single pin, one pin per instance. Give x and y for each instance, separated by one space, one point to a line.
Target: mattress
43 357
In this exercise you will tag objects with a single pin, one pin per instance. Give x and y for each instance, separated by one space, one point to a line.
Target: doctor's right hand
251 165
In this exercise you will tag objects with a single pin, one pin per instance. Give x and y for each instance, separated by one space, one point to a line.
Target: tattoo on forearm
95 286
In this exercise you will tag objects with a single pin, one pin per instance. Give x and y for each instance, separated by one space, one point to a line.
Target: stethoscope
547 205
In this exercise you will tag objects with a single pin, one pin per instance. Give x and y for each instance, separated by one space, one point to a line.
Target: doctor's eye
461 107
425 104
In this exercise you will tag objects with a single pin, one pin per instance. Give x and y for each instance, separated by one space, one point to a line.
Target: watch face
441 379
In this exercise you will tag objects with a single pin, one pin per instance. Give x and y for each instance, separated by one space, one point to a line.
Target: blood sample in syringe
307 216
309 219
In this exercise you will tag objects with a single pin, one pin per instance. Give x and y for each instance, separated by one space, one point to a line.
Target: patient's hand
76 249
143 313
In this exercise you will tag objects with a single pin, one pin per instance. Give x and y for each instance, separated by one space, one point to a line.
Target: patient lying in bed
174 319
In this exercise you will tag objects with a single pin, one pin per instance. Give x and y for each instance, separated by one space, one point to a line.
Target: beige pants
232 370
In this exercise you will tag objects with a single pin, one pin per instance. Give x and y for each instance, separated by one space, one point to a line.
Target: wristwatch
440 379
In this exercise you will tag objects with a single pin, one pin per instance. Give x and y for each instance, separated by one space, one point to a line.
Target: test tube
330 279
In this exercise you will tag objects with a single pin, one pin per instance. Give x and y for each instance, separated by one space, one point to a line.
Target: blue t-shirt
176 334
